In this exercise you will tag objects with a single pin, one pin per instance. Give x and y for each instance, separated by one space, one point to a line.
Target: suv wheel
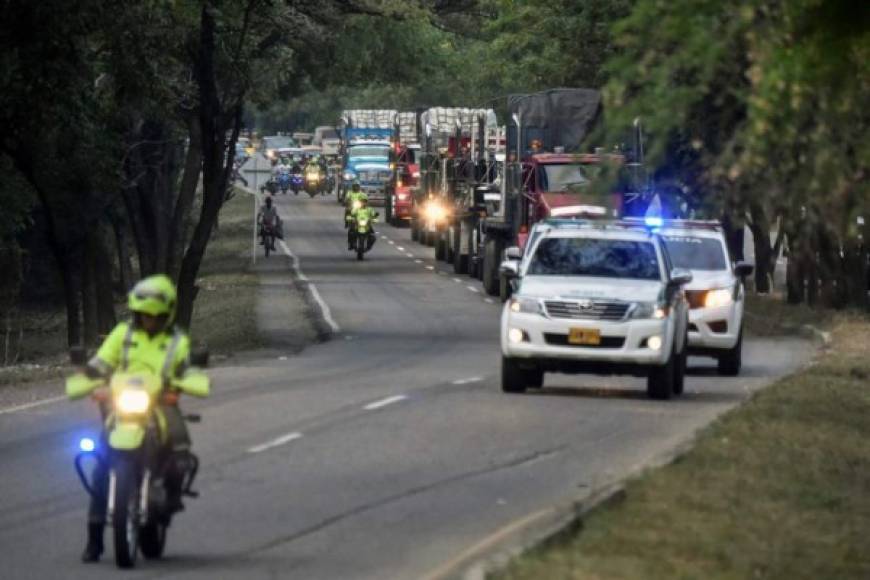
730 362
516 380
660 381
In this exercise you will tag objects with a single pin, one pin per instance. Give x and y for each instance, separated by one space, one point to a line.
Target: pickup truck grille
587 309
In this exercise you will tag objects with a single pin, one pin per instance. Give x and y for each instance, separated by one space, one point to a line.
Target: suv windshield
564 177
696 253
369 151
600 258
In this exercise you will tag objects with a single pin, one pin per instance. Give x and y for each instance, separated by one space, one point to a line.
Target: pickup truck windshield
369 152
556 178
597 258
696 253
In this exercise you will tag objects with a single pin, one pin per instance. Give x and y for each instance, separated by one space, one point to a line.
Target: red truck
545 181
406 180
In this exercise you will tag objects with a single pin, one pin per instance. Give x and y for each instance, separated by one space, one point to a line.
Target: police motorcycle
313 181
283 181
140 505
296 183
362 235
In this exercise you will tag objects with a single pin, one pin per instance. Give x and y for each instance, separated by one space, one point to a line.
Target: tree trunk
764 260
89 292
184 202
106 318
125 268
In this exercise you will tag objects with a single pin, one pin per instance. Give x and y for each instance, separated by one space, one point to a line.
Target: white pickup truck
595 297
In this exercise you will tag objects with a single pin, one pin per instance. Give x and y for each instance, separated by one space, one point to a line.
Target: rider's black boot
94 549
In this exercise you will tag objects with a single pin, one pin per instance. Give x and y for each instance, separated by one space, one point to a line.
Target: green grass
777 488
771 316
224 315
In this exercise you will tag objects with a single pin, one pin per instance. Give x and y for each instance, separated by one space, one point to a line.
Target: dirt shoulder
776 488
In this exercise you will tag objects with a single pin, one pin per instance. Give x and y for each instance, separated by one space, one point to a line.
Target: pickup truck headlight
650 310
719 297
525 305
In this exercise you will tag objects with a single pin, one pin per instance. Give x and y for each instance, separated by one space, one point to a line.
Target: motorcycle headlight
718 297
525 305
132 402
363 223
649 310
349 176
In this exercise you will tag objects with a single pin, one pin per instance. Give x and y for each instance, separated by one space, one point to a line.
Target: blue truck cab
367 159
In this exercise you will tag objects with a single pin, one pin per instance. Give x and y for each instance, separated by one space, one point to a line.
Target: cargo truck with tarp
458 154
547 175
406 175
367 153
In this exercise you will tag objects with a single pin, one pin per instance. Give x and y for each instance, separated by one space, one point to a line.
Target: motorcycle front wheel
125 518
360 246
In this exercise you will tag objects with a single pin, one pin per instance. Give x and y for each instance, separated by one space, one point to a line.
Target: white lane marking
473 289
457 280
324 307
283 439
430 267
468 380
489 300
400 248
418 261
409 254
39 403
391 242
383 237
384 402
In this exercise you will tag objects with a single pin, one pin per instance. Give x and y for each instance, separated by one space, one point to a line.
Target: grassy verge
224 315
778 488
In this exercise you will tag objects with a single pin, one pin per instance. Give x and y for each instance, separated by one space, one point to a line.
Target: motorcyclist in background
268 217
149 343
363 212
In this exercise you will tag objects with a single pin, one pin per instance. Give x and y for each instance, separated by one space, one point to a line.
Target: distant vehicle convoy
591 284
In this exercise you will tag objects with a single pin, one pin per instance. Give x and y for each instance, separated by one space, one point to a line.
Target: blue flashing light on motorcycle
87 445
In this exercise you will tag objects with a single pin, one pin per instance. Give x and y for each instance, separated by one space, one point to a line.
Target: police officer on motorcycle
149 343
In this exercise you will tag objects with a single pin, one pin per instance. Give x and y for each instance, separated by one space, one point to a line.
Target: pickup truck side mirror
78 356
513 253
510 269
199 357
744 269
680 276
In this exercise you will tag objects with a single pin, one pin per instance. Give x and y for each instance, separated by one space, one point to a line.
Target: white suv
595 297
716 294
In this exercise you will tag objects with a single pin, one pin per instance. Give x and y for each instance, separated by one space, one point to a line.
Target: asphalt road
383 453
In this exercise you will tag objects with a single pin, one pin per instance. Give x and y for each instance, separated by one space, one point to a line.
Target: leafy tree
757 106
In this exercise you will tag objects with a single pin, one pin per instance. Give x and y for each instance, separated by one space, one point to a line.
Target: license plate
587 336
